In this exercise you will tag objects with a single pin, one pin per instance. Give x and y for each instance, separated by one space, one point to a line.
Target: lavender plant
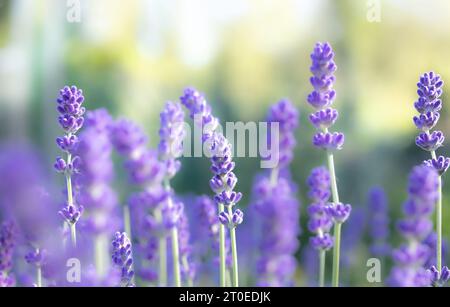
321 98
7 244
223 181
320 221
71 111
411 256
379 222
122 257
170 148
428 105
37 258
276 204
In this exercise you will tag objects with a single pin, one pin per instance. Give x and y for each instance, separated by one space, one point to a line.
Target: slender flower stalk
321 98
428 105
410 258
224 179
71 111
7 244
320 221
171 134
123 258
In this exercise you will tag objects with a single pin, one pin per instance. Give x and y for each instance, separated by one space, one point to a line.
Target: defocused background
132 56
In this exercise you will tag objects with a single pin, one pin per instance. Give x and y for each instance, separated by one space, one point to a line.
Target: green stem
185 263
73 234
162 252
73 231
229 282
176 257
439 228
174 239
127 221
233 250
337 227
38 276
336 254
222 249
322 268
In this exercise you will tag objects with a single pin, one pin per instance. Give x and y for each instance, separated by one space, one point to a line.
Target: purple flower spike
339 212
430 142
378 215
439 279
123 259
329 141
411 257
324 119
200 111
71 111
322 68
7 244
440 164
426 121
171 133
286 115
429 89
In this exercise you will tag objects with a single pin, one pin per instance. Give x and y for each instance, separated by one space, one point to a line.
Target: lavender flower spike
411 257
224 180
379 222
7 243
172 134
71 111
321 99
122 258
428 104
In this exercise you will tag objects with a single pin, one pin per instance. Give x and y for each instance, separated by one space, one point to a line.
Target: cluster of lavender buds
379 222
428 105
224 180
7 243
172 134
410 257
38 258
71 111
122 257
279 215
286 115
322 97
320 221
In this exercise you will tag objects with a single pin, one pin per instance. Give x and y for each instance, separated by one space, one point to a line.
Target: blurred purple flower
378 218
410 258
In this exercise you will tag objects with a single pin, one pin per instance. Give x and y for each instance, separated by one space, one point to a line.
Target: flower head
440 164
172 133
286 115
122 258
429 89
439 278
339 212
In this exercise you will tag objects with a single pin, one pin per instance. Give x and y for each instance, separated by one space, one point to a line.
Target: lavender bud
238 217
426 121
439 279
440 164
430 142
71 213
224 218
324 242
324 119
339 212
329 141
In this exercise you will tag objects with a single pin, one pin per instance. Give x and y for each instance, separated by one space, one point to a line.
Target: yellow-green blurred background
132 56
